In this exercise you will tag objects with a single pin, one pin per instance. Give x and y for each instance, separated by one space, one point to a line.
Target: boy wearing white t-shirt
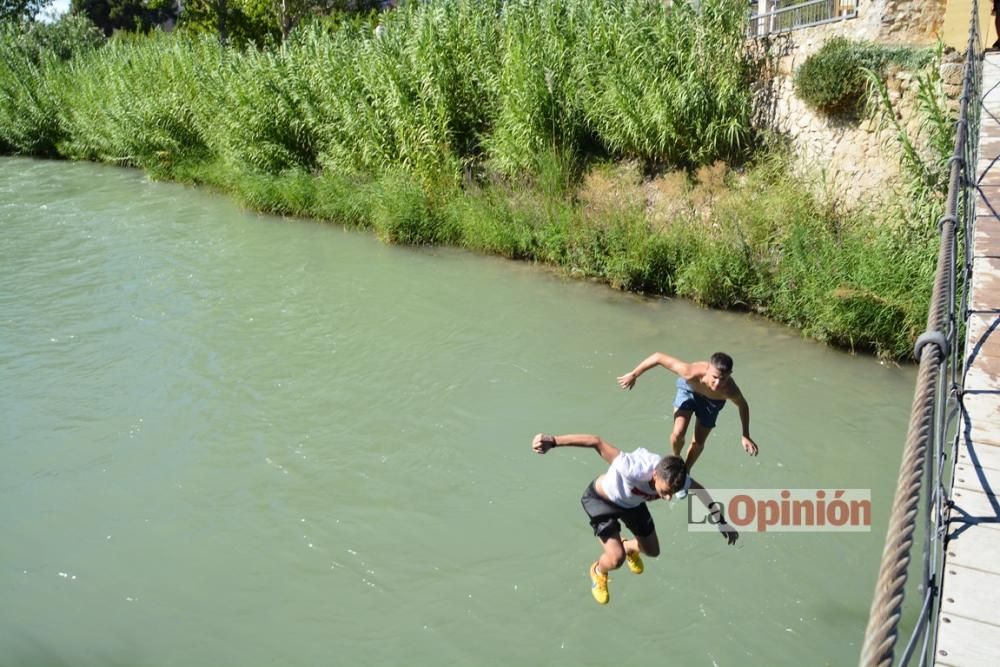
633 479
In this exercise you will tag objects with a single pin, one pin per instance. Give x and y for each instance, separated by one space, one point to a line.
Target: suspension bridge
942 546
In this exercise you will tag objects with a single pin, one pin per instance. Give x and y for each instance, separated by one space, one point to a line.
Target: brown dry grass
609 189
667 198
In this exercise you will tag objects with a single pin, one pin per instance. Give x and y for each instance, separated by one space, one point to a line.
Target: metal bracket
946 218
932 338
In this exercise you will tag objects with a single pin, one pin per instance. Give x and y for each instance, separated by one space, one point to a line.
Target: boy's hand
627 381
729 533
750 446
542 443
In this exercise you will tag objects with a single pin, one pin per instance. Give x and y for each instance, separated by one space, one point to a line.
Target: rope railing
934 411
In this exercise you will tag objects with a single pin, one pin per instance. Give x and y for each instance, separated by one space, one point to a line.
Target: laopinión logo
781 510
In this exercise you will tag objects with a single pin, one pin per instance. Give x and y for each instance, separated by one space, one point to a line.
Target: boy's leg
613 555
996 22
701 434
607 529
648 545
644 539
611 559
681 420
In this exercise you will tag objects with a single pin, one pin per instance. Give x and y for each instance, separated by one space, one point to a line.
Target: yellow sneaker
634 562
599 589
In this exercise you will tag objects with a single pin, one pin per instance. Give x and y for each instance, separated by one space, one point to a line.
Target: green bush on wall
833 81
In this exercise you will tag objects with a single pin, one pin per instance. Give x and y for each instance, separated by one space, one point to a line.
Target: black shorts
604 516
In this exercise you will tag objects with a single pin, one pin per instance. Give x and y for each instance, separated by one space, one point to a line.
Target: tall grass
539 111
419 97
131 102
253 118
923 153
29 104
447 90
666 83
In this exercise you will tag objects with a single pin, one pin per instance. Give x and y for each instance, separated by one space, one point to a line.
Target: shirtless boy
703 387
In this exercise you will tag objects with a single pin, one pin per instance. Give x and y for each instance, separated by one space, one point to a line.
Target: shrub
530 87
833 80
404 213
490 224
290 193
538 109
263 127
343 199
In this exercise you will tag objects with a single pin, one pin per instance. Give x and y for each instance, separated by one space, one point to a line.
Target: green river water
232 439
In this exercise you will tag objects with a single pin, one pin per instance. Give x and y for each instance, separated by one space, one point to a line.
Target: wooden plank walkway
969 628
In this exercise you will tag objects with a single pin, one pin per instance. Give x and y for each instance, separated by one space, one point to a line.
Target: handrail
935 404
801 15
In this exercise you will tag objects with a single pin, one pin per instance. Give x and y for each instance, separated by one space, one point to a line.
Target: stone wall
856 161
916 22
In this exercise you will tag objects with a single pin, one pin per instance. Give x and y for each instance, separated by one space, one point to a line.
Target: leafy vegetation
833 79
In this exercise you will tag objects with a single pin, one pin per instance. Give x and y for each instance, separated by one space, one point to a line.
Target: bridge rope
929 422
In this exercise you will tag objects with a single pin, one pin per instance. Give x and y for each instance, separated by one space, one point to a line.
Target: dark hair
672 470
722 361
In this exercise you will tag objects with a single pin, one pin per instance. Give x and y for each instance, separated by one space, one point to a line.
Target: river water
233 439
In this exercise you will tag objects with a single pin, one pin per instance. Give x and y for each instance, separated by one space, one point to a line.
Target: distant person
996 22
703 387
620 495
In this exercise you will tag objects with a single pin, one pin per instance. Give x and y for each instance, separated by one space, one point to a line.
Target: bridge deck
969 629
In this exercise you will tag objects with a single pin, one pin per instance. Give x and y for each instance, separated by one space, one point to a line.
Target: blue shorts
704 408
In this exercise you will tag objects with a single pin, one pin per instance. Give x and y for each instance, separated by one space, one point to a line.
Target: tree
131 15
65 38
236 21
289 13
21 10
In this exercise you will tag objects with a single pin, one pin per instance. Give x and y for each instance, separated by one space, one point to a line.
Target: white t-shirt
629 480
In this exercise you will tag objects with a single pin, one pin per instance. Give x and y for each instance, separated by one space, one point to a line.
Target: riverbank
753 239
542 134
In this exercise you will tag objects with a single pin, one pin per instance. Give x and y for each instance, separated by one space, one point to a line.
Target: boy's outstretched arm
741 403
728 532
627 381
543 442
